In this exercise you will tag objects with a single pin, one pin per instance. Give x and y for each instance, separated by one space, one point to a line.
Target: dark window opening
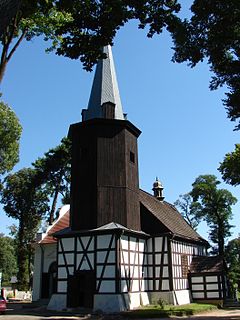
132 157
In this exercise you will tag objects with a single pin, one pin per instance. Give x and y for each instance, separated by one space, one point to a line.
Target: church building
118 247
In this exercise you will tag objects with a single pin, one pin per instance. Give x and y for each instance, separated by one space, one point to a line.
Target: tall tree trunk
22 259
54 204
3 66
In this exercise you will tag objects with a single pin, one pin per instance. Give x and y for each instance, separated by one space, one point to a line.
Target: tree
27 203
230 167
188 209
79 29
10 133
233 261
32 19
213 33
214 207
8 261
53 173
94 24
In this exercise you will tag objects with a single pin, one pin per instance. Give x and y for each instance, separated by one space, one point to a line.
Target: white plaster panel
109 272
124 257
62 272
101 256
212 295
141 258
136 272
124 286
135 285
103 242
85 241
111 257
60 259
59 246
150 258
196 287
68 244
146 283
131 270
141 245
71 270
165 284
124 242
149 245
69 258
158 258
165 258
157 272
124 269
165 272
211 279
158 244
133 258
150 272
107 286
166 246
133 244
62 286
196 295
197 279
212 286
150 284
142 285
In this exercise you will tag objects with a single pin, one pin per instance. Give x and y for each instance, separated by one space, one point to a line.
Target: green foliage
8 260
156 311
53 172
233 261
230 167
79 29
188 209
25 201
10 132
33 18
213 33
95 23
214 206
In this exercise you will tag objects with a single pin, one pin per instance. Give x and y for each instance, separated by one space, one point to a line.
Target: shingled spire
104 90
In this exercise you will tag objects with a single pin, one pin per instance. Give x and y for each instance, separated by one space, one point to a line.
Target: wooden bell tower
105 183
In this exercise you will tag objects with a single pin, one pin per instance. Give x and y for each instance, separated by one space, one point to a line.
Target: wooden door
81 288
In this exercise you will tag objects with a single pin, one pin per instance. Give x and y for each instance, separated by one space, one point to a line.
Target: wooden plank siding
182 254
105 182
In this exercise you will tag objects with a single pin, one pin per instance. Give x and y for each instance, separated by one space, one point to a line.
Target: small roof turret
104 90
158 189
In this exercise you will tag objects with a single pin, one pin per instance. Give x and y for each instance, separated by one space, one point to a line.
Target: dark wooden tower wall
105 184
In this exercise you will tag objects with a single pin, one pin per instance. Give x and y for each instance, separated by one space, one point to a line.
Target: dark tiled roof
168 215
60 224
207 264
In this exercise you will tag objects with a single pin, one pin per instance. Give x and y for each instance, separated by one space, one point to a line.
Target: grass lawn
156 311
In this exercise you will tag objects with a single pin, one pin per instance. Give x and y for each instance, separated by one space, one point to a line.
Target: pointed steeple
104 90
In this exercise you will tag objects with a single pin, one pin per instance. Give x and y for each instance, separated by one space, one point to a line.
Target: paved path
21 312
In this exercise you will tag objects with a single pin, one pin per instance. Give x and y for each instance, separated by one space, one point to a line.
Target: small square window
132 157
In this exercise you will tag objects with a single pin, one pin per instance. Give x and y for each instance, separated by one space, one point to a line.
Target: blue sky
185 130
